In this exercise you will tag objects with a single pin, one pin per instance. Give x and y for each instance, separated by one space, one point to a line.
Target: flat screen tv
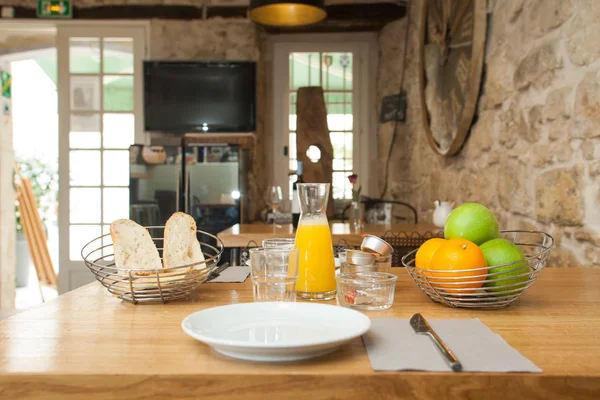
199 96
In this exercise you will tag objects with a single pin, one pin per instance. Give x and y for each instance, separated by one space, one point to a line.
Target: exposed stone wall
533 156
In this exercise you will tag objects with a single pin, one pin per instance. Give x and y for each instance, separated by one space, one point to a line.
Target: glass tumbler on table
274 272
316 277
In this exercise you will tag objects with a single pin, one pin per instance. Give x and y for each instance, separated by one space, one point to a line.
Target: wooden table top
239 235
88 344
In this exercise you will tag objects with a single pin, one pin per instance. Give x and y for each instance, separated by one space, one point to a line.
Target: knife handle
450 357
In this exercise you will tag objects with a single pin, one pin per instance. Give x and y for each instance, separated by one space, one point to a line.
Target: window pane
84 55
338 164
84 204
337 71
118 93
85 93
118 55
337 141
292 121
84 168
116 168
119 131
85 131
349 145
339 179
115 204
293 151
335 122
304 70
79 236
348 121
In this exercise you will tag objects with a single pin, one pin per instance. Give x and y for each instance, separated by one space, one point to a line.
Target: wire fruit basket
502 284
150 286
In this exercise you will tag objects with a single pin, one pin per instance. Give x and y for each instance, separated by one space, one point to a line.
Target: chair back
404 243
389 212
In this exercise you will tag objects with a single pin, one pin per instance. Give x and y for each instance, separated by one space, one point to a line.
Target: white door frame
365 48
64 32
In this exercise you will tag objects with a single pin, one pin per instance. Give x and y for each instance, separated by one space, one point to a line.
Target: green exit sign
54 9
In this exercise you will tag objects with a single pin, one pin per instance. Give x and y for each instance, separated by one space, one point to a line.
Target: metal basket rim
150 272
535 256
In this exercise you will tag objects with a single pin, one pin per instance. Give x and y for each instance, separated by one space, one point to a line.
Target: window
333 72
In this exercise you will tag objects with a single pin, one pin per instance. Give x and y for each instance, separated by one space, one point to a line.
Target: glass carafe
316 277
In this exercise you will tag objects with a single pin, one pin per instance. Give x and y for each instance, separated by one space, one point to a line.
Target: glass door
341 66
100 116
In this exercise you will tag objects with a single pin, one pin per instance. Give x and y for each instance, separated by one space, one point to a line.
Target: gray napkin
232 274
393 345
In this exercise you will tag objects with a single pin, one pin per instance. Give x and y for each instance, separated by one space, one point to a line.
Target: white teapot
441 212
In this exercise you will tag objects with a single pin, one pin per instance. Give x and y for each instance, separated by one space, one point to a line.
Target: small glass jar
366 290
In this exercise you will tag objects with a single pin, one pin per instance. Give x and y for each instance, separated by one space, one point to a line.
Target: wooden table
88 344
240 235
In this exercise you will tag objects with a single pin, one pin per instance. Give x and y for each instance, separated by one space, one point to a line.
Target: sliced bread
134 247
181 246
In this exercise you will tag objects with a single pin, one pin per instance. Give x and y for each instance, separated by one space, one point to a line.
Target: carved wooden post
312 130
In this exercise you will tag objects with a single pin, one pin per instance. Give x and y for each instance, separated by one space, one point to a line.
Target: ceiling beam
342 15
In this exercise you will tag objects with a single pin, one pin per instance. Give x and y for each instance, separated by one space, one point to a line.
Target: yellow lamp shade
287 13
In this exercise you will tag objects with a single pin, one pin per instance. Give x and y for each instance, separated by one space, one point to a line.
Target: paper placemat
392 345
232 275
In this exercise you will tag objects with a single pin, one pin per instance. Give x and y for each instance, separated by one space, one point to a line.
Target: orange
455 259
426 252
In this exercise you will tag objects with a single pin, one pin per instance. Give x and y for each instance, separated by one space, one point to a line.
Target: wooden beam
342 15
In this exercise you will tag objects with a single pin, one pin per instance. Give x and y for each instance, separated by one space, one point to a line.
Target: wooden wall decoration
452 49
312 130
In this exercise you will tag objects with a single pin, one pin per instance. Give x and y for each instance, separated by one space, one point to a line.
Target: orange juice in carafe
316 272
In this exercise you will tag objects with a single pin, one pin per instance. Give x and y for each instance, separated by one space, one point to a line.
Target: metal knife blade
422 327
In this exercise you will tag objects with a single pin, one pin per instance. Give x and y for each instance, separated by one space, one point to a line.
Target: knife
422 327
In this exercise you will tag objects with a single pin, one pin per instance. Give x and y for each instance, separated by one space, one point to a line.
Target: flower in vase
355 191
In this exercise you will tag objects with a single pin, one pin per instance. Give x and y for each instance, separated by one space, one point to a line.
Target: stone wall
533 155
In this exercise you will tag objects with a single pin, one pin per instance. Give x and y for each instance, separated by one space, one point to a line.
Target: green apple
472 221
499 252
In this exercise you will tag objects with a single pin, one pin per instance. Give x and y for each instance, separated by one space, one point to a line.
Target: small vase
356 215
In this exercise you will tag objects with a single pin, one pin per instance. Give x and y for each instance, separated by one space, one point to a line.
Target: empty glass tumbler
274 272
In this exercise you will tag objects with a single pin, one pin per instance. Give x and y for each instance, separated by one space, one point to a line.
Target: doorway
343 65
30 118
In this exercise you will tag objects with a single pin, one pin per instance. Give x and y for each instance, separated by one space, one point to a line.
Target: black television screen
199 96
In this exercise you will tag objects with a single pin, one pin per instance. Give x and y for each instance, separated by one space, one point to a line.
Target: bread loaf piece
134 247
181 246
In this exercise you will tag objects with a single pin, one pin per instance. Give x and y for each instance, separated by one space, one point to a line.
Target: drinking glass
279 242
274 198
274 272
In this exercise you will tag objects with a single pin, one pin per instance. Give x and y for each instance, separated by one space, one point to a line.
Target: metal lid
377 245
358 257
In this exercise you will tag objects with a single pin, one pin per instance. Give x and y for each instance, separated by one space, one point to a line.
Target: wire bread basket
502 284
150 286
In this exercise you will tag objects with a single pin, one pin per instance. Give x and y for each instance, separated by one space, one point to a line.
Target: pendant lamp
287 12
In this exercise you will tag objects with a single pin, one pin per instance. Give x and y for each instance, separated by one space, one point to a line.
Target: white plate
275 331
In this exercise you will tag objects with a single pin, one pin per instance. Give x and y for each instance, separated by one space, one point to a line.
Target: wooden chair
382 211
34 232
